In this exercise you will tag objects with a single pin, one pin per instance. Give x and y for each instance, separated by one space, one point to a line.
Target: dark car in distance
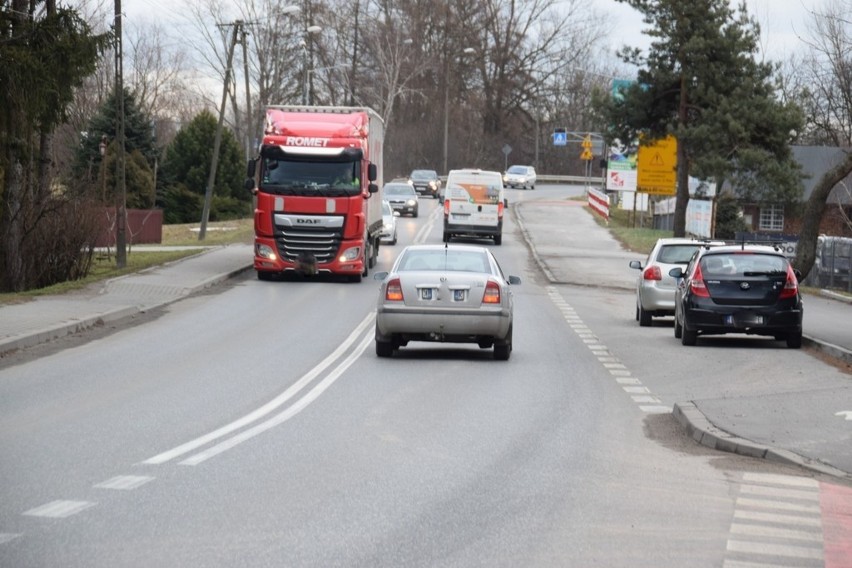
744 288
426 182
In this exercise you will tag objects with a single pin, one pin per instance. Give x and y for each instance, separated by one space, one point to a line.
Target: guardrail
571 179
580 180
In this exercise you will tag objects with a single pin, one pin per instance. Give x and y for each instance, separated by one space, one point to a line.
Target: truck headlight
350 254
264 251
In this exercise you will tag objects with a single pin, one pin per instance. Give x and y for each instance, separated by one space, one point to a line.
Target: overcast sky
782 23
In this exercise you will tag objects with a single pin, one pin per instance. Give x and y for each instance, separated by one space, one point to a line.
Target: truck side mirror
373 188
372 173
250 168
249 184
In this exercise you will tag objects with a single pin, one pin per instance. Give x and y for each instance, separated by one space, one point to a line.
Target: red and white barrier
599 201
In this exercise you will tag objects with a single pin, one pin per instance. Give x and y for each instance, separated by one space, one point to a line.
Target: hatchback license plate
744 320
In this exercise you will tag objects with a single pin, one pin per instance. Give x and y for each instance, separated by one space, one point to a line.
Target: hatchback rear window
744 264
676 254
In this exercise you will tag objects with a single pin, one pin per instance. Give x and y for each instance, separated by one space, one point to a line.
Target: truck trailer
317 182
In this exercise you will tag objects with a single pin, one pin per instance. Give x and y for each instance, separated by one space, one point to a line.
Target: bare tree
825 94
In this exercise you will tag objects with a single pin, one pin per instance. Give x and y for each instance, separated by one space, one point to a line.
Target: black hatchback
749 289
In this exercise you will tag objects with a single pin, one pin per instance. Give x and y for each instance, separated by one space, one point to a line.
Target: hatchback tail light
393 292
492 293
652 273
697 284
791 286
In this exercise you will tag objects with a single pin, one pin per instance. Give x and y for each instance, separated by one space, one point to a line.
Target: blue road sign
560 138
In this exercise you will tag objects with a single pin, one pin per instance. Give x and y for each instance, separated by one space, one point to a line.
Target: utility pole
121 205
249 117
211 180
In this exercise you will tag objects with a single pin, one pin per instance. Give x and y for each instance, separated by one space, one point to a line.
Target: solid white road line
287 414
270 406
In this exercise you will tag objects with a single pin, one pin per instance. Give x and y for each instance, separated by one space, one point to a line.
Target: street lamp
305 65
102 148
465 51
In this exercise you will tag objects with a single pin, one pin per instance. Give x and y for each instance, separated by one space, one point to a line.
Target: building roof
815 161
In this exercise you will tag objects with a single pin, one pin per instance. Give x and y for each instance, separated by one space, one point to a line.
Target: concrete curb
829 349
62 330
516 213
115 316
700 429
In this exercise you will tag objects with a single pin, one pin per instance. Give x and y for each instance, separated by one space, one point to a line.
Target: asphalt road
254 426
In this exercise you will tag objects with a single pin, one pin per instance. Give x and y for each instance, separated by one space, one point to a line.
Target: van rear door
475 199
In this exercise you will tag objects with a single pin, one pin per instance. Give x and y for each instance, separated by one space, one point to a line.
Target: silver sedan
445 293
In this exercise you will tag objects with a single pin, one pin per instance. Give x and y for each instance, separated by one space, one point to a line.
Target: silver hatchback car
445 293
655 288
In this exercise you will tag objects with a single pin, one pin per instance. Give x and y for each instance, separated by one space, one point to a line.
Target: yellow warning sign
586 155
656 167
587 144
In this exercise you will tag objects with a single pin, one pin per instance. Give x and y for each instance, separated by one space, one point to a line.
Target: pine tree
139 137
700 82
187 166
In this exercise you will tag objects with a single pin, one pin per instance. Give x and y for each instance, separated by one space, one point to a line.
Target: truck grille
320 242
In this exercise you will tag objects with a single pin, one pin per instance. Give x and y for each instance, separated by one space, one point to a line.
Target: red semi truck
317 183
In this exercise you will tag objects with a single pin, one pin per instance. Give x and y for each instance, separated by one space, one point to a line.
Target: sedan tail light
393 292
652 273
791 286
697 285
492 293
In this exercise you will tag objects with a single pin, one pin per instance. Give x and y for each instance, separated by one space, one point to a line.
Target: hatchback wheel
644 317
688 336
794 339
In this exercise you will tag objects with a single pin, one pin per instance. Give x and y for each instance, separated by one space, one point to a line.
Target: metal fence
832 264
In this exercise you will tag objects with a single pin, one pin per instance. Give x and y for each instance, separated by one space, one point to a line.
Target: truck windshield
329 179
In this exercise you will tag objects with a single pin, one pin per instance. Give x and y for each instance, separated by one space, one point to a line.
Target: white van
474 204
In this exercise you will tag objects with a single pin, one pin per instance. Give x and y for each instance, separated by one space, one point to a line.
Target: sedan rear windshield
457 261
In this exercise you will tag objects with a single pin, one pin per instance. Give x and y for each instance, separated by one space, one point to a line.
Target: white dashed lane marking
639 393
59 509
7 537
124 482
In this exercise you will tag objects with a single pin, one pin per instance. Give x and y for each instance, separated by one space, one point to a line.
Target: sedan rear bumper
442 325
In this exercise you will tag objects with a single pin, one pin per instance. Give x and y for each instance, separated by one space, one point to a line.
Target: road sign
560 138
657 167
587 154
587 144
507 149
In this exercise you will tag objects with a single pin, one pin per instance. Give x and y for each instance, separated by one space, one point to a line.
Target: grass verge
104 267
621 227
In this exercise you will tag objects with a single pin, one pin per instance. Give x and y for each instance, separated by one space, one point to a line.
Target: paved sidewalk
49 317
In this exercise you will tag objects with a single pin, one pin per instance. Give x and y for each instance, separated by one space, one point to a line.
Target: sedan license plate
458 295
426 294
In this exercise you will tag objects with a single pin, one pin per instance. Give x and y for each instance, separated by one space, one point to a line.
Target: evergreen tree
46 52
187 166
701 83
138 137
